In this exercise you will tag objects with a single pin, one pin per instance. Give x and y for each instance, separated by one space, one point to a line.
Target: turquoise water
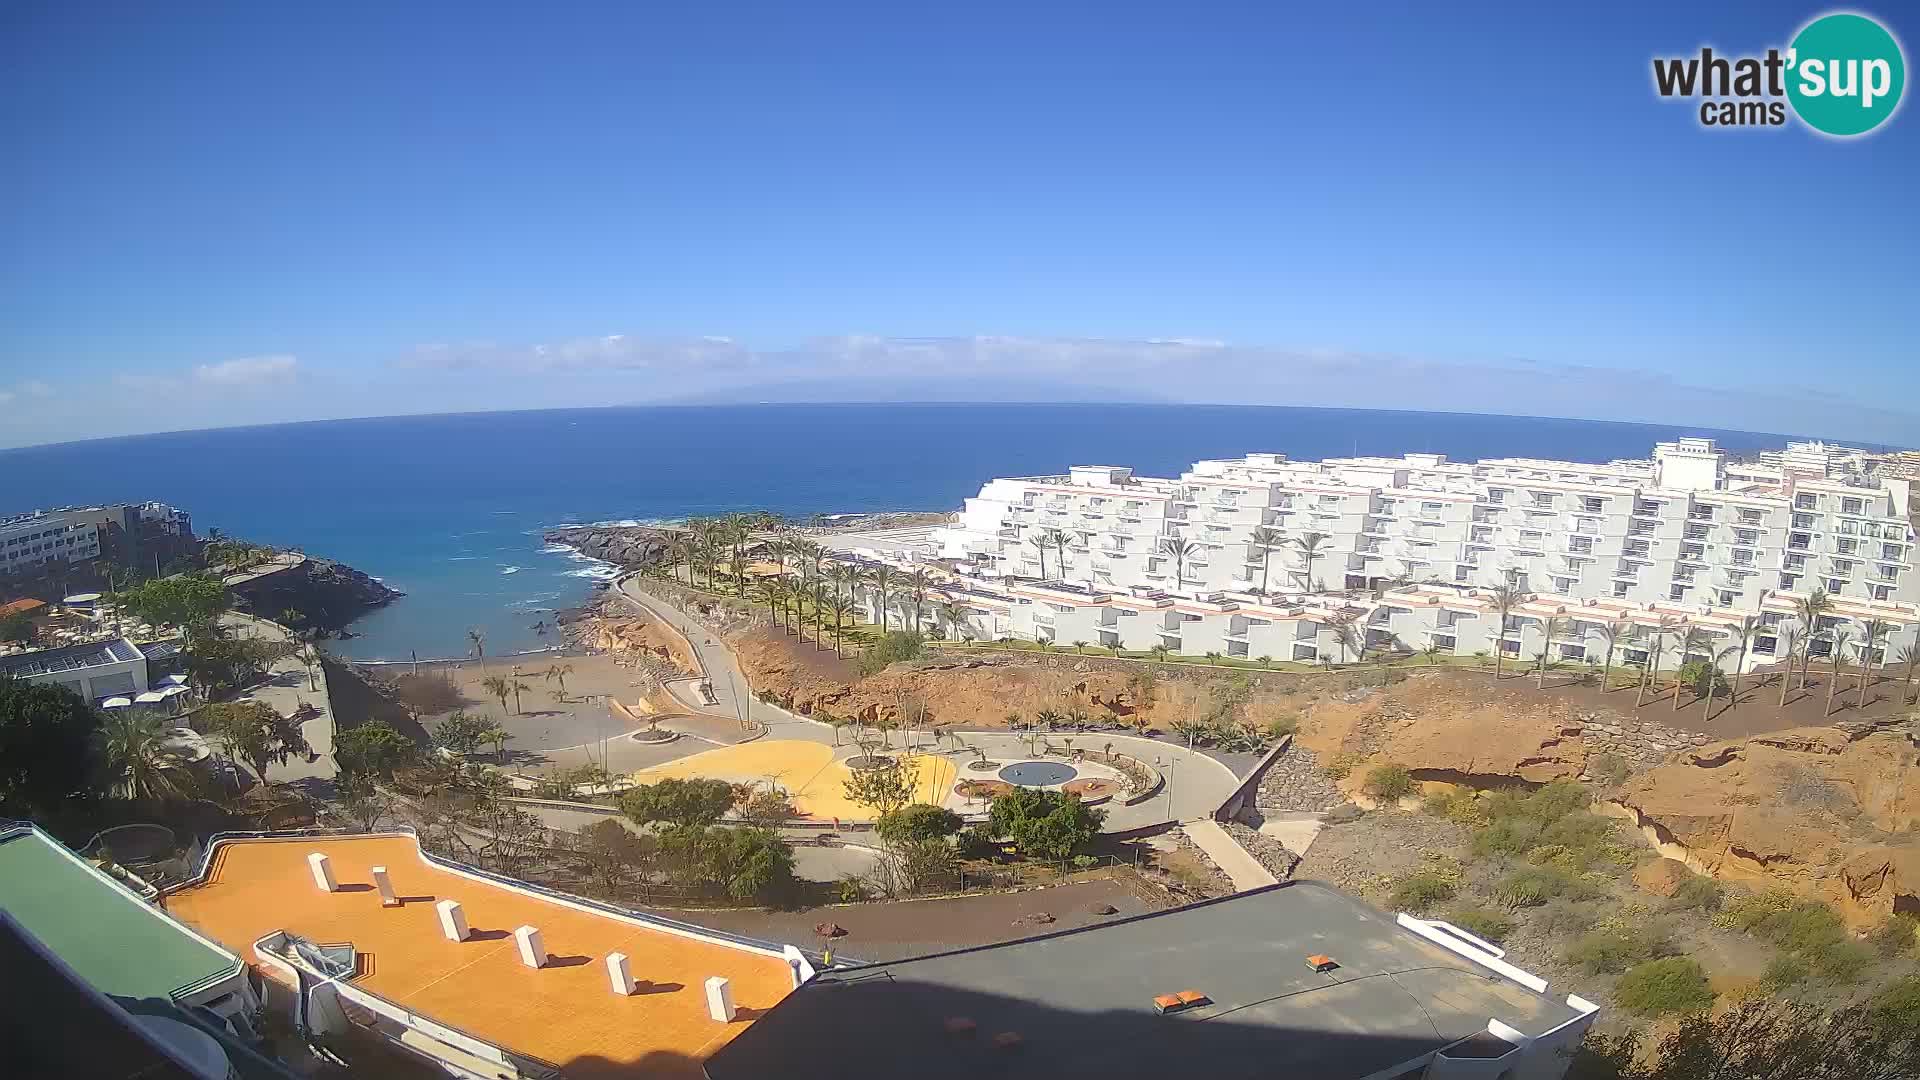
451 508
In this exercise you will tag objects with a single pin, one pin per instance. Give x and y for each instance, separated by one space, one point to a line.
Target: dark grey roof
1081 1002
68 658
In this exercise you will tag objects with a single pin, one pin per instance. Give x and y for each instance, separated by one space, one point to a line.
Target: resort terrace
564 1013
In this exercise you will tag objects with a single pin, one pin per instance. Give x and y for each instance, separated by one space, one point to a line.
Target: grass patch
1671 986
1615 949
1422 890
1482 922
1698 893
1806 929
1389 783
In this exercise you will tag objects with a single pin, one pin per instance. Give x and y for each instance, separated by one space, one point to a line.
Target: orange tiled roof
18 606
564 1012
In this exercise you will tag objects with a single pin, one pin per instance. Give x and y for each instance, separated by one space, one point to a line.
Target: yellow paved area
563 1012
806 769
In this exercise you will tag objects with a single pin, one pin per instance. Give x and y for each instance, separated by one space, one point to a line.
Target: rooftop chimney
322 868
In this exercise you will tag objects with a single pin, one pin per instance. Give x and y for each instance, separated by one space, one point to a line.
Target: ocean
451 508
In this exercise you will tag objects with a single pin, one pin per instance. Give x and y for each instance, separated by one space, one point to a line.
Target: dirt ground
544 721
897 929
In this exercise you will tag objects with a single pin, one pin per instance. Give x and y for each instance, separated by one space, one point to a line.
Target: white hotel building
1411 545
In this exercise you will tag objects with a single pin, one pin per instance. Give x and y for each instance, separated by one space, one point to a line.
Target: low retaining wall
1244 794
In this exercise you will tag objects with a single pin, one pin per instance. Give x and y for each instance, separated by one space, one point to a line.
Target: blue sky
219 214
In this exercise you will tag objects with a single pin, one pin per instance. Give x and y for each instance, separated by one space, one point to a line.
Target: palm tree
1690 642
1039 542
1615 634
954 615
557 673
1505 599
1180 550
823 601
844 576
1909 656
518 687
1346 630
1743 639
1309 545
499 687
1264 540
1713 675
1808 609
1433 652
1790 640
770 590
131 745
917 584
1842 639
1873 640
880 577
1061 538
1667 625
1549 629
841 606
739 531
479 639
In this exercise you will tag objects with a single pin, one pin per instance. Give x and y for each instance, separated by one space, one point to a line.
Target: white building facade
1263 556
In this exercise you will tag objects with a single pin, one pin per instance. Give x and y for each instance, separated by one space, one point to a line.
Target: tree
131 746
1692 639
17 627
499 687
1810 609
1040 542
917 584
557 673
479 639
462 733
45 735
1505 599
1179 551
690 803
1549 629
1873 641
1667 625
1263 540
255 733
1786 646
884 788
176 601
1615 633
499 737
1310 546
518 687
1761 1039
613 855
372 749
768 807
918 821
1743 640
1842 639
362 801
880 576
1907 656
748 862
1042 823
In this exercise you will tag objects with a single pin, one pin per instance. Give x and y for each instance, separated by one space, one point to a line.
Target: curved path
1195 784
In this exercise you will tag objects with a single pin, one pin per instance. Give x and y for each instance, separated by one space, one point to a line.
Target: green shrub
1609 769
893 647
1564 919
1532 886
1667 987
1898 935
1695 675
1342 765
1420 891
1840 961
1482 922
1607 952
1389 782
1508 836
1808 924
1783 971
1898 1006
1747 912
1698 893
1459 805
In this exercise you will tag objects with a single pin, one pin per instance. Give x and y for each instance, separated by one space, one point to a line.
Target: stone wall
1641 744
1295 781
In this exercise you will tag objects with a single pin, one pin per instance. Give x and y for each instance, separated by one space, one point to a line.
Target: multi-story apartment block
29 542
1264 556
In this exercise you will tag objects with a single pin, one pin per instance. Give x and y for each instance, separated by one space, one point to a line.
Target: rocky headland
630 547
327 594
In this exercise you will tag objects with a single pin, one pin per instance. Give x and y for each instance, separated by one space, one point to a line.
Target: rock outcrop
1817 810
327 594
628 546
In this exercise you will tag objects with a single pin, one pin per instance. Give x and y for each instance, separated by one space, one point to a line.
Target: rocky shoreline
630 547
327 594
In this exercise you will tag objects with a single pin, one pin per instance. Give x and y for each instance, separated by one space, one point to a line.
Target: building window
1749 516
1726 598
1834 585
1803 521
1851 506
1619 588
1460 572
1805 502
1883 592
1678 592
1846 547
1594 505
1696 532
1764 646
1787 581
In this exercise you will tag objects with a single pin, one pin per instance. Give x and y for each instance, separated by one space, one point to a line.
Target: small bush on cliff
1421 891
893 647
1698 893
1389 783
1668 987
1482 922
1609 951
1898 935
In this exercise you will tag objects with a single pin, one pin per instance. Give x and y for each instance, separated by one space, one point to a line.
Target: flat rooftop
1081 1002
68 658
563 1013
112 939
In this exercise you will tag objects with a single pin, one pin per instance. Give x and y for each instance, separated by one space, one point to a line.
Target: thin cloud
248 371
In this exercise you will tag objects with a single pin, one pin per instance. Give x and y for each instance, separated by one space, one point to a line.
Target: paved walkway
287 688
1241 868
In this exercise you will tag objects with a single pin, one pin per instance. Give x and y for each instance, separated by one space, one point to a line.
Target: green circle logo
1845 73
